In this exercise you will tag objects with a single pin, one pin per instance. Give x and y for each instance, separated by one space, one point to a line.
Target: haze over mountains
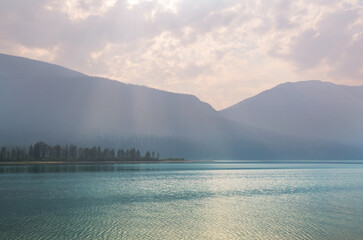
45 102
312 110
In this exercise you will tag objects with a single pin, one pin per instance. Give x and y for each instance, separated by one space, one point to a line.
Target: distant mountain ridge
46 102
90 103
24 68
312 110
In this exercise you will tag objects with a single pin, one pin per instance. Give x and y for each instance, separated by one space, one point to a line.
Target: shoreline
91 162
24 163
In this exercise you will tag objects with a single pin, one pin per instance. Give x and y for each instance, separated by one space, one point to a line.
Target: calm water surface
221 200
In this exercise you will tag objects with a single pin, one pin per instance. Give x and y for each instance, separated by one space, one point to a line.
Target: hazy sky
220 51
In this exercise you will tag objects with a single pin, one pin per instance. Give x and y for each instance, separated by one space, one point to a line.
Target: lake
200 200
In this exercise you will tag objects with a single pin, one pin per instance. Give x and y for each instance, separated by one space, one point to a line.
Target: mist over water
221 200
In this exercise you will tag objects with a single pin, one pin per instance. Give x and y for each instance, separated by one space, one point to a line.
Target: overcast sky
220 51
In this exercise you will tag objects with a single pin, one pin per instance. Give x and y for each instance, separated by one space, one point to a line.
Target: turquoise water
221 200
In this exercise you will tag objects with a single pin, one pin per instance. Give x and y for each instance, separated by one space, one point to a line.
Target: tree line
41 151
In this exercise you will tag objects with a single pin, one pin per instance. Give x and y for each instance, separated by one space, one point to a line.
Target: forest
42 151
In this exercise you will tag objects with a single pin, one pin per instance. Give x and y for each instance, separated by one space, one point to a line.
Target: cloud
221 51
335 41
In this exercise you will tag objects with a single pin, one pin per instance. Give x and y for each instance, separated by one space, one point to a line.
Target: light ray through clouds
220 51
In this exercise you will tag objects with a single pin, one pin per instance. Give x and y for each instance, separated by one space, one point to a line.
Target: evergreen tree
138 155
112 154
13 154
133 154
99 153
73 151
36 151
66 153
31 152
57 151
43 151
106 153
147 155
81 153
3 154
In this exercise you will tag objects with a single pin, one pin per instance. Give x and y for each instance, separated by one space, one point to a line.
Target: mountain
311 110
46 102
